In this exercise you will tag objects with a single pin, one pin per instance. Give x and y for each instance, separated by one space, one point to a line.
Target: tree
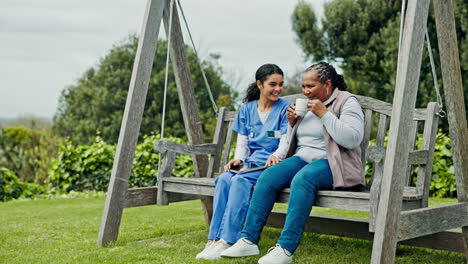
97 101
362 37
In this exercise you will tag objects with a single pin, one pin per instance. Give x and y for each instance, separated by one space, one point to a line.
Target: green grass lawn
65 231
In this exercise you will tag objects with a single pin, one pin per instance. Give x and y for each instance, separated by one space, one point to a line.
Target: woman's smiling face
272 87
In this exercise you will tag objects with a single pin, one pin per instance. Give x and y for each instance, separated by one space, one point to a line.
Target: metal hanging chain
167 71
441 112
215 107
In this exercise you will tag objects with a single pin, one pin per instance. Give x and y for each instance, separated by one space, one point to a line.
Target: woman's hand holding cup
291 115
317 107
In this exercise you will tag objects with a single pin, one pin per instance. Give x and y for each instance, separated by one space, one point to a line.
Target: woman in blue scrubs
261 127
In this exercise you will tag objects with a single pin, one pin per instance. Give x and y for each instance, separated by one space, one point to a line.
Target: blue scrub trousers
304 179
230 203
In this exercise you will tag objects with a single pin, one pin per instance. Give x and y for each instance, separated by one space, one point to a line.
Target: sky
47 45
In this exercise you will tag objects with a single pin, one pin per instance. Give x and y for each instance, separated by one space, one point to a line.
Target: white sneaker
214 252
276 255
208 245
242 248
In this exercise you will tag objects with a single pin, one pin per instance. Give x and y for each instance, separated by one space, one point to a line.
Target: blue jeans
304 180
230 203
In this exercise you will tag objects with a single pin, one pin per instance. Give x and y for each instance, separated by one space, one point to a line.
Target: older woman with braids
324 154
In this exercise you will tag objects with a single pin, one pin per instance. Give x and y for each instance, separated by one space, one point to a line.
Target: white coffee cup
301 106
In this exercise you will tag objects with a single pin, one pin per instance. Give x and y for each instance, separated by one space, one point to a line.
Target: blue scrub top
248 123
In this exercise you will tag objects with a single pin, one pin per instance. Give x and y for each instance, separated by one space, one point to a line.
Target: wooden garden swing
398 212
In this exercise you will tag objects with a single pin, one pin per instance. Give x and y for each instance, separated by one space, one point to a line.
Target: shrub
443 172
88 167
28 152
12 188
81 167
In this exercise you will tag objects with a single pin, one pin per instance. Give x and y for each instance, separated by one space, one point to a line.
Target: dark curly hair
326 72
262 73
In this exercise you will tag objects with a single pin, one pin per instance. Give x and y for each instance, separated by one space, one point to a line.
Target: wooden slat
194 181
335 199
412 135
411 193
386 108
418 157
136 197
429 138
229 116
375 193
375 105
354 195
204 190
227 145
163 146
425 221
377 170
396 159
451 240
218 139
131 122
164 171
367 133
382 130
348 203
140 197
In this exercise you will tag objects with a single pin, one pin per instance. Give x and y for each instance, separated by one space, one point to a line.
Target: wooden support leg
453 88
396 160
207 205
131 122
186 93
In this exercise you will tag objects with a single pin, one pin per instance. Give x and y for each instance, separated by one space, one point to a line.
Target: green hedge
88 167
11 187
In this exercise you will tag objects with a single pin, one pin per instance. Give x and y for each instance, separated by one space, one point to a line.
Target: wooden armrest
377 154
163 146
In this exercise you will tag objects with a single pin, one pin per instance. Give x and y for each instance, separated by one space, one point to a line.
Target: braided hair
262 73
326 72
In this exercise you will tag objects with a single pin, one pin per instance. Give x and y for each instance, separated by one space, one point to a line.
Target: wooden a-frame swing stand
391 222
